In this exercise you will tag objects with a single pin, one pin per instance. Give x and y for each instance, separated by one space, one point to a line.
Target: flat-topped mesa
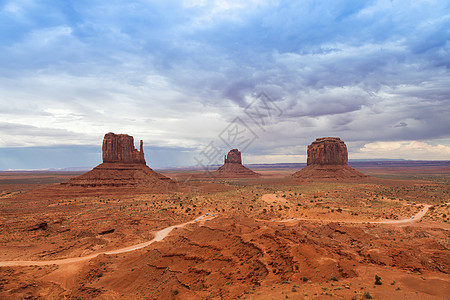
327 151
328 159
233 157
119 148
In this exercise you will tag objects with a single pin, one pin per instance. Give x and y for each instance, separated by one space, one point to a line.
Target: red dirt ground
271 237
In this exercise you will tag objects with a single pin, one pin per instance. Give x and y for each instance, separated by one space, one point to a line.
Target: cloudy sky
184 75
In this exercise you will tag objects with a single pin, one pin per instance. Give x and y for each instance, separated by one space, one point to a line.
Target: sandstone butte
123 165
232 167
328 159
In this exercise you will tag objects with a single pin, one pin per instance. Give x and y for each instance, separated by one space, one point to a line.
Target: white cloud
404 150
272 159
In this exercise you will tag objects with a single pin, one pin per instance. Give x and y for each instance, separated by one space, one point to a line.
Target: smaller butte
328 159
232 167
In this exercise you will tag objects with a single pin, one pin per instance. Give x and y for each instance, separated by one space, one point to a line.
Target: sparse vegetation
264 233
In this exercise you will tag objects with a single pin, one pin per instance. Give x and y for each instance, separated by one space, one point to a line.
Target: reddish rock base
333 172
234 170
116 175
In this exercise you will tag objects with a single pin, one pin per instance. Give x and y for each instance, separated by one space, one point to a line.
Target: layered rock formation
119 148
233 157
328 159
123 166
233 168
327 151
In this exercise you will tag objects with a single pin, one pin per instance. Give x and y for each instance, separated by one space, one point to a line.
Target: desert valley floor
271 237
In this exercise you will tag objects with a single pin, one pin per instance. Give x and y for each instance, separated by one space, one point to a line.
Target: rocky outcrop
327 151
233 168
123 166
233 157
119 148
328 159
42 225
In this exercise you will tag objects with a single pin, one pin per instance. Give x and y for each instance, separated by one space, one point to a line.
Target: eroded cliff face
233 157
119 148
327 151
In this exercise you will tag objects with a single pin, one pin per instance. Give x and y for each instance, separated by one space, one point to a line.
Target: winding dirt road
163 233
273 198
413 219
159 236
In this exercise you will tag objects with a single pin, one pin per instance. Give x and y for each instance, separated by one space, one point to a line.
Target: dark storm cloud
355 69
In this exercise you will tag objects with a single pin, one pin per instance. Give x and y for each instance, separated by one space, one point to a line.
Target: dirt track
159 236
163 233
413 219
272 198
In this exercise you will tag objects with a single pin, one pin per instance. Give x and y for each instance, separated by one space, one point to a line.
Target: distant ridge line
352 162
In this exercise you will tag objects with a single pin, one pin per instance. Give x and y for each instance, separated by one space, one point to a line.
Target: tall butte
232 167
119 148
123 166
328 159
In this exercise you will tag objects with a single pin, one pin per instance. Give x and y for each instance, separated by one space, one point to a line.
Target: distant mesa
233 168
328 159
123 165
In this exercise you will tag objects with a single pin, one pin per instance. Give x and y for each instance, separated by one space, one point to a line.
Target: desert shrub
367 295
378 280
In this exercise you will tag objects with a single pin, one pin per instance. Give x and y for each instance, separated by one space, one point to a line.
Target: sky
195 78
